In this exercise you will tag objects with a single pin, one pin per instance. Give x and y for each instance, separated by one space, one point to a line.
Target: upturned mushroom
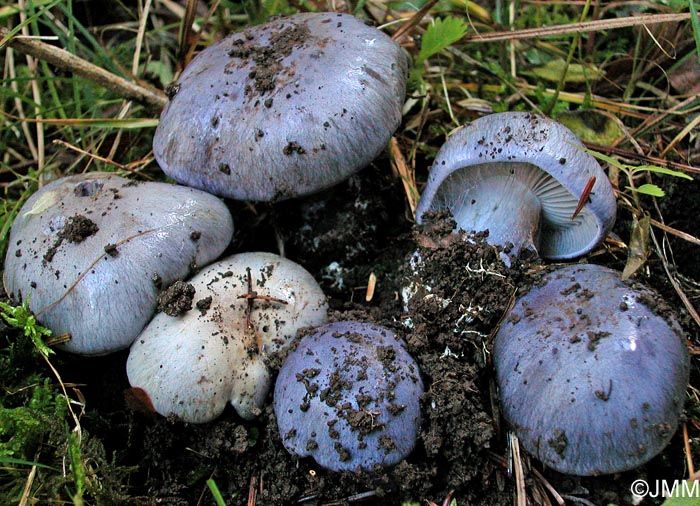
91 252
348 396
592 371
527 180
247 306
283 109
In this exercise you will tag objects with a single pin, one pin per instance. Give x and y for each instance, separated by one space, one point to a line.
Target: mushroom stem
505 206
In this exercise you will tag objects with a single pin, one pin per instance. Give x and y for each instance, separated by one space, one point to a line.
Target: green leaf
636 168
441 34
663 170
650 189
591 126
557 70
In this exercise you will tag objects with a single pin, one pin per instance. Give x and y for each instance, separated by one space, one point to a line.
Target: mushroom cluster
283 109
525 179
245 307
91 252
592 371
348 395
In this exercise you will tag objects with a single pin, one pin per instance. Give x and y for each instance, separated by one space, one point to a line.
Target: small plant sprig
631 170
21 317
441 34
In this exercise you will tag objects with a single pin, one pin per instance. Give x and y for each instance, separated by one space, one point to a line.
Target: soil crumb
176 299
75 230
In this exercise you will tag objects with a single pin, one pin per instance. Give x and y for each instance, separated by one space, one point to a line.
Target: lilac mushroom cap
90 252
520 176
348 395
283 109
191 365
592 375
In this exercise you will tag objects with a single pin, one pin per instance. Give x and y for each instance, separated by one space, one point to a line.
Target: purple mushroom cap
521 176
592 371
283 109
90 252
348 396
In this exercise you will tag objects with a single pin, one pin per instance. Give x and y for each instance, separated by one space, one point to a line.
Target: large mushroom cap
191 365
521 177
592 371
348 395
283 109
91 251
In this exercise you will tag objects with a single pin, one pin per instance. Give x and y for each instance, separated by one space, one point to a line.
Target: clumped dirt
75 230
176 299
267 57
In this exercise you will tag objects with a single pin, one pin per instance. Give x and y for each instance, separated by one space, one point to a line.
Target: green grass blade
21 462
214 489
695 22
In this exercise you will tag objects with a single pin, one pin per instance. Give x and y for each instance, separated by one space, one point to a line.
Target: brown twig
251 295
68 61
571 28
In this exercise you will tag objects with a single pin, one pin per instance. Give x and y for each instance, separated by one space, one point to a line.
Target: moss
23 428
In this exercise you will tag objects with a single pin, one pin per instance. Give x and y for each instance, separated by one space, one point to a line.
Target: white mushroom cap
191 365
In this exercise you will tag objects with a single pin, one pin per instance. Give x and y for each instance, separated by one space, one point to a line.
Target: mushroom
522 177
283 109
592 371
247 307
91 252
348 395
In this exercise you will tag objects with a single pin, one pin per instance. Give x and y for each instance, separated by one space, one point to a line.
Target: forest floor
625 83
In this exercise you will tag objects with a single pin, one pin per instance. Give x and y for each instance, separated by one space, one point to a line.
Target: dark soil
176 299
75 230
460 292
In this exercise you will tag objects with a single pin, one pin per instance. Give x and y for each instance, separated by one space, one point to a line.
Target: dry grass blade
413 21
185 35
28 487
553 492
579 500
688 453
131 167
581 27
139 37
693 125
407 175
520 494
252 491
674 282
677 233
